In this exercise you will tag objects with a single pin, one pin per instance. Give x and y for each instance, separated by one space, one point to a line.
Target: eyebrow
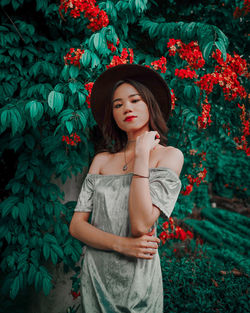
118 99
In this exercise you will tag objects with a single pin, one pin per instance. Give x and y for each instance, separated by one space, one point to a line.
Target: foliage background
42 100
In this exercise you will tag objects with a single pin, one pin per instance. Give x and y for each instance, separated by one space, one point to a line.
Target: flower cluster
88 87
73 140
201 175
242 142
174 232
111 46
173 45
173 99
226 77
190 52
235 63
185 73
123 59
204 119
242 11
98 18
160 64
73 57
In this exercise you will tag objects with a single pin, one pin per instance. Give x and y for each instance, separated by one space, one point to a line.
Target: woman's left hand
146 142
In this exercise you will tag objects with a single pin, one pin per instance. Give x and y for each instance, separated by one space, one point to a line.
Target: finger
150 251
152 238
152 232
153 246
145 256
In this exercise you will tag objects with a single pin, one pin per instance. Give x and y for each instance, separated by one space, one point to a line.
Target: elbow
139 230
71 229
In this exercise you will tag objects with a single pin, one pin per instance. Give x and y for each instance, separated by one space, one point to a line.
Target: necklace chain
125 167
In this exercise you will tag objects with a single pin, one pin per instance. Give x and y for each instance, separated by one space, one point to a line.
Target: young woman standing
126 189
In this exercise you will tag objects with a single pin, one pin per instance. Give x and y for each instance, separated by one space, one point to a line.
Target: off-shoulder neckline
152 169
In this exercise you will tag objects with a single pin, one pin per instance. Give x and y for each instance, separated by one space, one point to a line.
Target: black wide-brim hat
104 84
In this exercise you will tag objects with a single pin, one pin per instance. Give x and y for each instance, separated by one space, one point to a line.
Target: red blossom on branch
123 59
188 52
88 87
160 64
185 73
204 119
72 140
73 57
98 18
174 232
226 76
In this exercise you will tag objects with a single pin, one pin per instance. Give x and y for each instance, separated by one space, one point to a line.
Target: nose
127 107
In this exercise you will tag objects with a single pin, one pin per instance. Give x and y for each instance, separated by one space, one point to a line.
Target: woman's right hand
144 247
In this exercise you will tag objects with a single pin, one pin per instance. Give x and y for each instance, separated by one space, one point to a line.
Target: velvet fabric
112 282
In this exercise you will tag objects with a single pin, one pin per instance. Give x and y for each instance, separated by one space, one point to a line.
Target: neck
130 144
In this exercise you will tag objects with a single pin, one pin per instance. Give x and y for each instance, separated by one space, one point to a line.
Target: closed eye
135 100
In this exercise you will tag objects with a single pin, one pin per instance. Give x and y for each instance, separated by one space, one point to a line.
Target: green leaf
95 60
86 58
58 250
99 42
73 71
34 109
46 250
207 50
23 213
65 72
29 141
82 98
73 87
30 175
56 101
54 257
50 238
220 45
188 91
14 288
47 285
69 126
15 212
31 274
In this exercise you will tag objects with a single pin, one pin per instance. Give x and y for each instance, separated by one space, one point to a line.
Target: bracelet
140 176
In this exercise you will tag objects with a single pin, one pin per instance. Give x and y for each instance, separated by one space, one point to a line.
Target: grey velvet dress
112 282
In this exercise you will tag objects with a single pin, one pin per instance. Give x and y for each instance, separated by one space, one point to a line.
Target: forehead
124 90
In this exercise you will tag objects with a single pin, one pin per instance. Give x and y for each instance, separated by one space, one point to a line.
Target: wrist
118 244
142 153
141 165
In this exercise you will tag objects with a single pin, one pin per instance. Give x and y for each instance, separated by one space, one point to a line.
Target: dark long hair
115 139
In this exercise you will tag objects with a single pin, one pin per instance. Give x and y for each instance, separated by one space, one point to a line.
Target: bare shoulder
97 162
171 157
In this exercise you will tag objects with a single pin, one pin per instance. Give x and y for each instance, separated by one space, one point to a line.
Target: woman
126 189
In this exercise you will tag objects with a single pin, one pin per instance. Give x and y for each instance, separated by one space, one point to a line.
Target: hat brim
104 84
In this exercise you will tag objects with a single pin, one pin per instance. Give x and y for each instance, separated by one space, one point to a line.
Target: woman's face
127 102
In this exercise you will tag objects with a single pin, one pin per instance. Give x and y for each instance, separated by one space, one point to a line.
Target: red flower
123 59
185 73
88 87
98 18
160 64
73 57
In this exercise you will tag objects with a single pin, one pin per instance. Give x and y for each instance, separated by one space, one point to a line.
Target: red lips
129 118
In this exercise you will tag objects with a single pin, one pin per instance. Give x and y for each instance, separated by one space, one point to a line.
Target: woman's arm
142 212
143 247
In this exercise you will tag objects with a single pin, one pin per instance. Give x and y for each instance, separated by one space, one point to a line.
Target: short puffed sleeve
165 187
85 199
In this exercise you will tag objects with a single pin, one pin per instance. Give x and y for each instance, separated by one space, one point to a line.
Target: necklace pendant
125 167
